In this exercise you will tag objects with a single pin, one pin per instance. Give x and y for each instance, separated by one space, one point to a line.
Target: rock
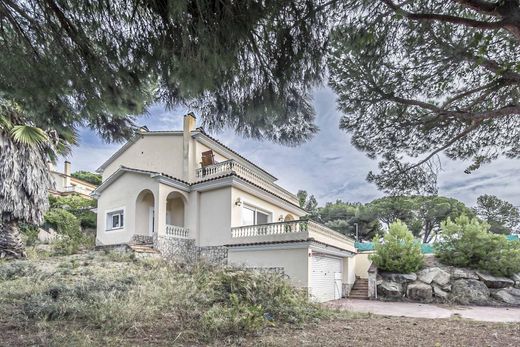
458 273
446 287
390 289
469 291
508 295
419 291
397 277
439 292
436 274
494 281
516 278
442 278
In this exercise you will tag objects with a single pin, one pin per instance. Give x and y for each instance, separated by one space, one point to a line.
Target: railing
291 231
177 231
230 166
269 229
77 189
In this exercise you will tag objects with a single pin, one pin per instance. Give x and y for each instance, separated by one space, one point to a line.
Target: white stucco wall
362 264
157 152
214 217
120 195
294 261
269 206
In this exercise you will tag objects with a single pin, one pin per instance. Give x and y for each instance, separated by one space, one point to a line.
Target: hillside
106 298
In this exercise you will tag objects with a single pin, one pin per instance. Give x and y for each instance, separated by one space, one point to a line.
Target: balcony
177 232
290 231
231 166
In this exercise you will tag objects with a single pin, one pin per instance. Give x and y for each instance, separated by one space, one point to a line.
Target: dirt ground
366 331
395 331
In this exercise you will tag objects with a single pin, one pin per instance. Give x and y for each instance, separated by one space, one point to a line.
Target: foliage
115 294
70 236
30 232
418 78
502 216
468 243
399 252
422 214
308 203
343 217
88 176
79 206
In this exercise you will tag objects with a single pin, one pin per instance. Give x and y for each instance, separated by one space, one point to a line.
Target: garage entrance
326 277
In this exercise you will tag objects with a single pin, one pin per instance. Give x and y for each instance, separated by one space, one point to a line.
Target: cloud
327 166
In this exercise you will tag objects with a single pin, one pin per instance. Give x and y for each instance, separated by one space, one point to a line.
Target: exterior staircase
144 249
360 289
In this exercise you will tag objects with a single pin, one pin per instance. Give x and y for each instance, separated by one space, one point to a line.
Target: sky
327 166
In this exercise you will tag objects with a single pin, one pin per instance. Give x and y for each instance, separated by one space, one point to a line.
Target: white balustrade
269 229
177 231
231 166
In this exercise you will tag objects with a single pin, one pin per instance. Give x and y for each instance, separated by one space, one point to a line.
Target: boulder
439 292
442 278
390 289
495 281
419 291
397 277
516 278
469 291
434 274
458 273
508 295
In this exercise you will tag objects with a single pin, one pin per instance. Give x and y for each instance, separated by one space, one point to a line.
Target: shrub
399 251
79 206
468 243
30 233
71 237
88 176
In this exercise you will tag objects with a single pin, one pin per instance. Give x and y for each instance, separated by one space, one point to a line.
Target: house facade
65 184
185 187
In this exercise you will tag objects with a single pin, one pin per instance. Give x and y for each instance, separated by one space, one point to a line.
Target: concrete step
143 249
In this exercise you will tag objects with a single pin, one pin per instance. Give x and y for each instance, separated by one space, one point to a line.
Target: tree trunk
11 245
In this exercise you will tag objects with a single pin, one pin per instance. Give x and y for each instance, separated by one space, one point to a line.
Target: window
115 220
253 216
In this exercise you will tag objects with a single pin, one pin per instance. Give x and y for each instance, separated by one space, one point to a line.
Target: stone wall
449 284
185 250
142 240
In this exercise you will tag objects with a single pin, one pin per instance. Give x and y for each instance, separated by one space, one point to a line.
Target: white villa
163 187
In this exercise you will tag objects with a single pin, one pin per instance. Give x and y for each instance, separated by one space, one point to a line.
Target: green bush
468 243
399 252
88 176
70 236
79 206
30 233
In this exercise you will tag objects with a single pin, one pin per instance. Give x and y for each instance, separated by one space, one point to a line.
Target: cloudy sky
328 166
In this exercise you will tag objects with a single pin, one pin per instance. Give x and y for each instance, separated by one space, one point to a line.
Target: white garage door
326 278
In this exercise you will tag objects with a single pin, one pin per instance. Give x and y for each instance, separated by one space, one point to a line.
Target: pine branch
445 18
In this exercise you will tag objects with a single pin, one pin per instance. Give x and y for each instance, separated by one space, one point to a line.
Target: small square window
115 220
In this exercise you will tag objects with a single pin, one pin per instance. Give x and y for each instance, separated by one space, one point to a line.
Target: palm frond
5 123
29 135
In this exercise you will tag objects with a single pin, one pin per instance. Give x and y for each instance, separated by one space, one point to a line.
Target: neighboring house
65 184
168 186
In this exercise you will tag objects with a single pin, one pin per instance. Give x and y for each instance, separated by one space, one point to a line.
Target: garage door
326 278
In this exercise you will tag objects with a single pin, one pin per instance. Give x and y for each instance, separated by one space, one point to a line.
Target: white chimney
66 171
190 122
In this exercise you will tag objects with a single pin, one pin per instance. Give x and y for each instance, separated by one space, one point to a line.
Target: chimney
50 166
189 125
66 171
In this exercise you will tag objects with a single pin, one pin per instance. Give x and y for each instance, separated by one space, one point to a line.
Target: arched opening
175 209
144 213
289 217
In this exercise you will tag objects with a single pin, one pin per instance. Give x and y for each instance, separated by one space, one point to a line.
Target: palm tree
24 180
